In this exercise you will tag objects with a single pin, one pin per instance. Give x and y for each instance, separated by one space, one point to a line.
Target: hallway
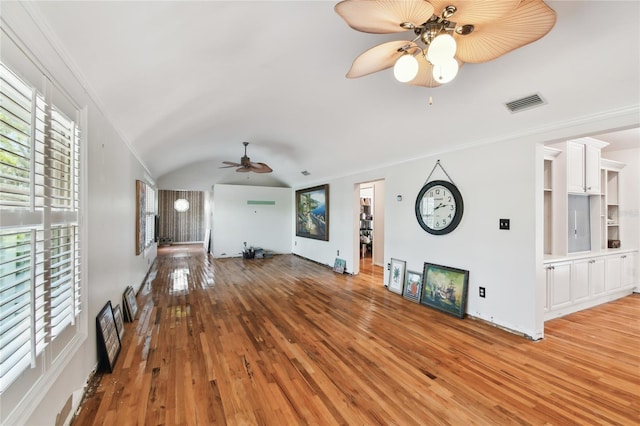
284 341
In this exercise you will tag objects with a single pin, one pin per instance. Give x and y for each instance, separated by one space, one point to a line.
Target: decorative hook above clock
434 169
439 204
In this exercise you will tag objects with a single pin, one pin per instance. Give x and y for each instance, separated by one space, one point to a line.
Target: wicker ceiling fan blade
476 11
532 20
378 58
243 169
260 168
231 164
383 16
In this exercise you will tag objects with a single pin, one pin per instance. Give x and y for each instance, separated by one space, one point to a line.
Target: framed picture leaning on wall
413 286
396 275
445 288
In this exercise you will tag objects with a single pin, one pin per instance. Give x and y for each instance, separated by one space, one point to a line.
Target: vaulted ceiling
185 83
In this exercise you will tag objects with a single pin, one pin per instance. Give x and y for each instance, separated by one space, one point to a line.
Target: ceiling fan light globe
405 68
445 72
441 49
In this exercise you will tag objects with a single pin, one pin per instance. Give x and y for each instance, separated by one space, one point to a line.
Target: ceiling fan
246 165
446 34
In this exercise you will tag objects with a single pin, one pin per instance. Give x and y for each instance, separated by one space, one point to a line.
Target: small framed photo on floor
413 286
396 275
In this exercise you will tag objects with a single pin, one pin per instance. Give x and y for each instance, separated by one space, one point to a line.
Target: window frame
54 191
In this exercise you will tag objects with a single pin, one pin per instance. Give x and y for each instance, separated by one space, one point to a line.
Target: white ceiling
187 82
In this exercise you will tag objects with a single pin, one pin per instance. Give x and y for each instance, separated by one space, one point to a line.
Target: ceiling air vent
527 102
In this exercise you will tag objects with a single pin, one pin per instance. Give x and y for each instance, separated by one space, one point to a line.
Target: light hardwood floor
285 341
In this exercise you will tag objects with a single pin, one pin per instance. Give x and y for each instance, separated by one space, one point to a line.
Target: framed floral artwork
396 275
413 286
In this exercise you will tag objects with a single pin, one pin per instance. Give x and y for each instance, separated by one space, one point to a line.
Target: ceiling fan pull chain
434 169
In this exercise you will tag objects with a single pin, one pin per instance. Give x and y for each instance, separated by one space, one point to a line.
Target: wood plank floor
285 341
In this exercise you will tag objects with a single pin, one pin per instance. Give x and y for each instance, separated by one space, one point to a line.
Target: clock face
439 207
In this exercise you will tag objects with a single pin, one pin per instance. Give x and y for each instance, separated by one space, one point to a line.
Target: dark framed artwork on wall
445 288
140 216
312 212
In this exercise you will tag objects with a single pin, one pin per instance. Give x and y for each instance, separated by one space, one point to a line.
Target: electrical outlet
337 252
504 223
482 292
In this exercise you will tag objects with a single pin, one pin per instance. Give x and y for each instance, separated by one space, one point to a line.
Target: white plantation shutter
40 256
61 153
16 328
61 278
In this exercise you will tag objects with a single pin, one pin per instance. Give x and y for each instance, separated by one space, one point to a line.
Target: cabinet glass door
579 236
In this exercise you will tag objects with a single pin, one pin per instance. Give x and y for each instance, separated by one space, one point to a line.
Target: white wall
110 263
235 221
503 262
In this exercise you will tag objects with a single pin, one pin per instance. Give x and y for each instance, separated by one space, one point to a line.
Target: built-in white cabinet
588 279
550 154
610 203
621 270
586 261
558 285
583 282
629 272
583 166
575 173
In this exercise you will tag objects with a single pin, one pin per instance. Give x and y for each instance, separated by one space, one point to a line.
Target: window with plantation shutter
40 256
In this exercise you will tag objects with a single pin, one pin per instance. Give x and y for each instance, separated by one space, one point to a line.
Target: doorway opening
370 222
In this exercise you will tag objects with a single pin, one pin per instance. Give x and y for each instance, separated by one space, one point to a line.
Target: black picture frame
130 304
312 212
445 288
109 344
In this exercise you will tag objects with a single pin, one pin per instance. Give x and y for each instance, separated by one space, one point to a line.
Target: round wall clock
439 207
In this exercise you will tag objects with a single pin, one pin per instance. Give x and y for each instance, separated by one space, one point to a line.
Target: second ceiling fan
246 165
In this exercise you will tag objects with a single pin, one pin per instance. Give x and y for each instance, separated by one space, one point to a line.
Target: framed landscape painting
445 288
312 212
